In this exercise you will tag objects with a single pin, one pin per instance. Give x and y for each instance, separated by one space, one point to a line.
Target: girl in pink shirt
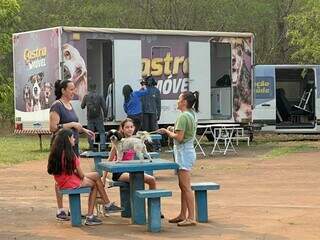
64 165
127 128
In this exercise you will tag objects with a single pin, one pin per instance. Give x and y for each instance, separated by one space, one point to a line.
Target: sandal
187 222
175 220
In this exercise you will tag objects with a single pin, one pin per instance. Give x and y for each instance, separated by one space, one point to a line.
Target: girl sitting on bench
64 165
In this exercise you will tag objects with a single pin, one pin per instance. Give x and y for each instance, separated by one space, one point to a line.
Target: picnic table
136 169
97 158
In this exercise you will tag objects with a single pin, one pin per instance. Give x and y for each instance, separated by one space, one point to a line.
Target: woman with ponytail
183 134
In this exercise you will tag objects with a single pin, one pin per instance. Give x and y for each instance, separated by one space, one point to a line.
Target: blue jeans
97 124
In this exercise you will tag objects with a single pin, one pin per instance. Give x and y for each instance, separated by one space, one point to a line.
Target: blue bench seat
154 206
75 203
201 201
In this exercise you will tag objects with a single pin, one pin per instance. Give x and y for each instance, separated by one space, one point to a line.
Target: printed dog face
47 88
26 93
75 69
36 80
27 98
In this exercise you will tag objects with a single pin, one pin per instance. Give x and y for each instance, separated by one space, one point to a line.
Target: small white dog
135 142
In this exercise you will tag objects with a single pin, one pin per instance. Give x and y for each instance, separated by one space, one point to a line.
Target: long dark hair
58 86
126 91
192 99
61 147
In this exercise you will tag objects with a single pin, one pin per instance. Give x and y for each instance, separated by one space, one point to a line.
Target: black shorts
116 176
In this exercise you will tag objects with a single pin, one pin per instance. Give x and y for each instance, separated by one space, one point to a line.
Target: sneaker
187 222
112 208
92 221
62 216
82 216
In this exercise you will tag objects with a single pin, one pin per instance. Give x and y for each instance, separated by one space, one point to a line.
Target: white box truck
208 62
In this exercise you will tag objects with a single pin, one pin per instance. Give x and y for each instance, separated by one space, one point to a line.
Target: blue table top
137 166
92 154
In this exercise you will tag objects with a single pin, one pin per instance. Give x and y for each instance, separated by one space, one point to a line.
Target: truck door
127 70
264 93
199 76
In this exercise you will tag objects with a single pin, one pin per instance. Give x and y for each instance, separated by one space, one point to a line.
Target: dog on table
135 143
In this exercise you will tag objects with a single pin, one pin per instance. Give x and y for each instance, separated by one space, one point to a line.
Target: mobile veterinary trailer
217 64
287 99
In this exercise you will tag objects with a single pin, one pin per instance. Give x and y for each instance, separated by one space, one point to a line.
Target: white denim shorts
184 154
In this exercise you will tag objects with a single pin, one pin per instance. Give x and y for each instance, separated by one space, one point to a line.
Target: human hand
90 134
77 126
162 130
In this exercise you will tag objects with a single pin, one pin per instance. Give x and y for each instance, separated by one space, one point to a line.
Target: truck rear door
199 76
264 94
127 70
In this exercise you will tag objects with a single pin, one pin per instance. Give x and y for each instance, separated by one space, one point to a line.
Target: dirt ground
260 198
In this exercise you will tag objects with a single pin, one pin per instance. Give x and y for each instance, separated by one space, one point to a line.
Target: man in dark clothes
95 103
151 107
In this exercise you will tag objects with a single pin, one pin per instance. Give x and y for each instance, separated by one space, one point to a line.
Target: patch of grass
285 150
18 148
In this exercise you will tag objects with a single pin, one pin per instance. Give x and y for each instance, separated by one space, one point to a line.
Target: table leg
40 141
138 205
97 160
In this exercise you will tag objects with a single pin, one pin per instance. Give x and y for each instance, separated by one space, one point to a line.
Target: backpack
93 106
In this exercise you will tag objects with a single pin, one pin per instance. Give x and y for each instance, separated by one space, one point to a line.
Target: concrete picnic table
136 169
97 158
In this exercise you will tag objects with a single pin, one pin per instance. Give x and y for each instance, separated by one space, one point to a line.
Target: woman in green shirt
183 134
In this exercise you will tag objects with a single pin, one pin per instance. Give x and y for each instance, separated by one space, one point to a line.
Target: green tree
304 32
8 21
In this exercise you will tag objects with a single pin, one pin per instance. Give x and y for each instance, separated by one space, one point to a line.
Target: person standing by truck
151 109
95 105
132 103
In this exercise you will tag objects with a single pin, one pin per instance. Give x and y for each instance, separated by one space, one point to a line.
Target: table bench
75 203
154 206
201 200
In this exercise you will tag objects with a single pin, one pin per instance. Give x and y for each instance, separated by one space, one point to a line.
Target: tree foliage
8 21
304 32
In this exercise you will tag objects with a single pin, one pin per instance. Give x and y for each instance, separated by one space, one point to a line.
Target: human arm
142 91
54 120
177 134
